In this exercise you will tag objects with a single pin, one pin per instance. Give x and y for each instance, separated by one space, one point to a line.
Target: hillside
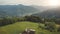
20 26
20 10
51 13
17 10
17 27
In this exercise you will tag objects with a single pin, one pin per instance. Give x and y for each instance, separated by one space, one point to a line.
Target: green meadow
19 27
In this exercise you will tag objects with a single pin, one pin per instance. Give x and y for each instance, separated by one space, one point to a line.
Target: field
21 26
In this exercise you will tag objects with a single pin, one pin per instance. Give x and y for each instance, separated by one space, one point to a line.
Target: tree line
6 20
49 26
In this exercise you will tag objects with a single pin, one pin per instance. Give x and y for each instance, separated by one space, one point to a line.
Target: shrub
50 26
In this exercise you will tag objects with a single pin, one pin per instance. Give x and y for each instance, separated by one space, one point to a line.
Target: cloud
26 2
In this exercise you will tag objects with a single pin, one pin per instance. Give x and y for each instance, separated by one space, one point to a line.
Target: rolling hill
19 27
20 10
51 13
16 10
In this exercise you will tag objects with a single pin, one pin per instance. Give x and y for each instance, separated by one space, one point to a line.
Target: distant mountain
19 10
22 10
51 13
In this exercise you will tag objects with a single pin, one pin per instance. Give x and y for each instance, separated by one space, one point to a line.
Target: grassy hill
21 26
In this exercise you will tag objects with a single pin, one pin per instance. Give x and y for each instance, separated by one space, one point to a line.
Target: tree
33 18
50 26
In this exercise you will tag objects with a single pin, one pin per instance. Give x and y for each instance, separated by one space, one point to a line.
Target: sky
25 2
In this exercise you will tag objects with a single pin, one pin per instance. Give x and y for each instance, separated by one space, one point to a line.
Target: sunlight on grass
21 26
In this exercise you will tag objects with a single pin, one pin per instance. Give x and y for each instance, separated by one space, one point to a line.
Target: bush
50 26
58 29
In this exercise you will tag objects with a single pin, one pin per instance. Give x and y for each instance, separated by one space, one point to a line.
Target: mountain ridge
51 13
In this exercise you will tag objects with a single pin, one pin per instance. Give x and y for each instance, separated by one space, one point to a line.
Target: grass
21 26
17 27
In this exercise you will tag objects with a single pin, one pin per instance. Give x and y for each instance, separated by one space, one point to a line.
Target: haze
31 2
